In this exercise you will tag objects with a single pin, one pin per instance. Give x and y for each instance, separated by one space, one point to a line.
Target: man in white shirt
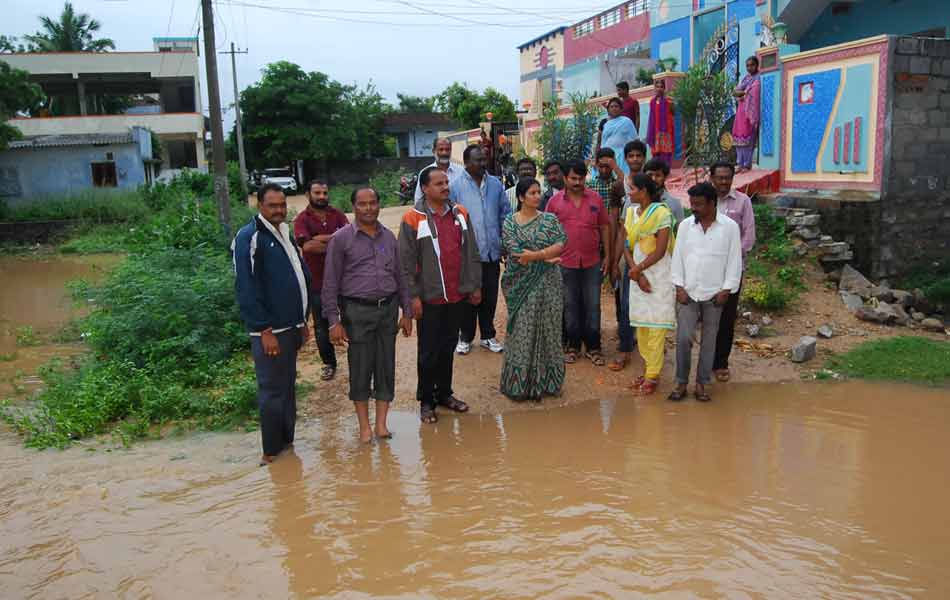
707 268
442 149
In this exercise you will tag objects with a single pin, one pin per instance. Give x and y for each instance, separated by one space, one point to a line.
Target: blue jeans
622 298
582 307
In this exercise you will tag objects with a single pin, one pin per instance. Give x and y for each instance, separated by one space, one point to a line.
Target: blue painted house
52 165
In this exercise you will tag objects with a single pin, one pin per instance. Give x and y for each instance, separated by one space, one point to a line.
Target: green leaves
567 138
17 95
70 33
469 107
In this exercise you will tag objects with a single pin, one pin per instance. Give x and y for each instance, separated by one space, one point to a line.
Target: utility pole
220 170
237 117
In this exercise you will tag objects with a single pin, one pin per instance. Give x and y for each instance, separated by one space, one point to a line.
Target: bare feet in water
366 435
267 459
383 433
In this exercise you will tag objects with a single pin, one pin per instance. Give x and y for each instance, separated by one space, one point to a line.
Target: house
52 165
109 95
416 132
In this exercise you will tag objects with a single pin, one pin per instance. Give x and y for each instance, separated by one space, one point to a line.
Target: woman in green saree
534 360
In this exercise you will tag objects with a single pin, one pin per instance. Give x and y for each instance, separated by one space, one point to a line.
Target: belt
367 302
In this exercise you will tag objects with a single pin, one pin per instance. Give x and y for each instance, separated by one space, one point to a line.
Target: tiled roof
71 139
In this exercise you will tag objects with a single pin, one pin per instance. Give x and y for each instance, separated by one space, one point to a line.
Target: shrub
767 295
96 206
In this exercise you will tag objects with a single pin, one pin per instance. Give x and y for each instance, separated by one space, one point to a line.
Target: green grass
97 206
934 281
912 359
97 239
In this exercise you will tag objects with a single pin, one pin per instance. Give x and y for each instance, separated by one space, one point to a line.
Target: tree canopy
17 95
415 104
468 106
293 114
71 32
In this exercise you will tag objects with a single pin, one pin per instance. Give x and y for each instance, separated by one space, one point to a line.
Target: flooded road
35 303
771 491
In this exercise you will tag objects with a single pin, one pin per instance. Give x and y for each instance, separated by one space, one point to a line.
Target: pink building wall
624 33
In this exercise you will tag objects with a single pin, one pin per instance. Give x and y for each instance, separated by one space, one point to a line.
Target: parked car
282 177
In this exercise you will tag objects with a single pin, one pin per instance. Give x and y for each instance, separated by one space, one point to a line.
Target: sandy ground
476 376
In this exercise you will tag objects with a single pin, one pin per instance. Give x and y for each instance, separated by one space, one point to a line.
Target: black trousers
276 390
484 314
321 332
371 353
727 331
437 335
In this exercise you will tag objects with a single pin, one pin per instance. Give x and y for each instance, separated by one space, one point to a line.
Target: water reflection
771 491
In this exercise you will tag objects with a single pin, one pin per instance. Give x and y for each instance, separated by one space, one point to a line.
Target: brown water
771 491
33 294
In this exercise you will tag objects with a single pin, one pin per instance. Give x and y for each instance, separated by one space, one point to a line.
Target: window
637 7
585 28
610 18
103 174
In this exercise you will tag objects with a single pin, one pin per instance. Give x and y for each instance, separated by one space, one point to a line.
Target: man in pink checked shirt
738 207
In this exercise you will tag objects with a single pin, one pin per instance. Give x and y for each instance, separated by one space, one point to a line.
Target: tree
72 32
415 104
567 138
291 114
17 95
469 107
9 45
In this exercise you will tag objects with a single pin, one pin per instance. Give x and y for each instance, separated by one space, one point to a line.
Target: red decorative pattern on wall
847 142
857 140
879 48
624 33
837 148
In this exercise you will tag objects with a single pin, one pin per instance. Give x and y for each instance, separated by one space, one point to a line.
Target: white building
165 84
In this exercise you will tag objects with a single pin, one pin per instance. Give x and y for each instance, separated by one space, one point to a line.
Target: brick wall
914 223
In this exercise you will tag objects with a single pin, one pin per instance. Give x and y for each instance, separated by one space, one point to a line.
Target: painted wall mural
767 120
848 150
814 98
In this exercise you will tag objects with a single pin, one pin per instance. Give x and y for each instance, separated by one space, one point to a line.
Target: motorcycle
407 189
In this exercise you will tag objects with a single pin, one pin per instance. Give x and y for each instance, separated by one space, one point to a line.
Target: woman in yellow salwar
649 226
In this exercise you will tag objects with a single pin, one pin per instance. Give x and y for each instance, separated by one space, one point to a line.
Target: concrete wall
55 171
625 33
915 211
874 17
672 39
540 65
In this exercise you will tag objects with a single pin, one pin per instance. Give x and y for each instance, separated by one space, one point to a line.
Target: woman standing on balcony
745 128
617 131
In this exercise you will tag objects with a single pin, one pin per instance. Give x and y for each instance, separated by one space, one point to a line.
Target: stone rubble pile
881 304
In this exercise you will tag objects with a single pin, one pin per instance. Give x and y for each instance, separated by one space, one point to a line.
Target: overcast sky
401 46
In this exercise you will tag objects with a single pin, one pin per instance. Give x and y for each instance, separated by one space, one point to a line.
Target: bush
772 283
166 337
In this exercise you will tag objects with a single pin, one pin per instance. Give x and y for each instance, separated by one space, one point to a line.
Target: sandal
327 373
453 403
648 387
702 396
596 357
619 363
722 375
637 382
570 357
427 414
676 395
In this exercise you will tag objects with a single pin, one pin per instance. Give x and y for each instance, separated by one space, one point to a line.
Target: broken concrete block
853 281
882 293
752 330
826 331
932 324
805 349
852 301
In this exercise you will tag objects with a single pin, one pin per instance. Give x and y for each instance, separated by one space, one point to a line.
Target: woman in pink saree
745 128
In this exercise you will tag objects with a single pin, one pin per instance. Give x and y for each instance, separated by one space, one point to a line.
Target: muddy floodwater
34 295
771 491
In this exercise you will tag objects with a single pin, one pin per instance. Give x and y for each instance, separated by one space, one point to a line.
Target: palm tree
70 33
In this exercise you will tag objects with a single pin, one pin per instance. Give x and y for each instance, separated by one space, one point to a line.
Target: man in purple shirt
362 291
738 207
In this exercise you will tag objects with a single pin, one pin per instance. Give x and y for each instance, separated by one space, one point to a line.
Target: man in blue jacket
272 287
483 196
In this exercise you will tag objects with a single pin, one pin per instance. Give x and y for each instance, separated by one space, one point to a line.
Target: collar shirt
453 173
487 207
738 207
707 262
283 237
602 186
582 225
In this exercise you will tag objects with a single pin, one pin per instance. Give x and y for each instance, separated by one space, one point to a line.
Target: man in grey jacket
442 267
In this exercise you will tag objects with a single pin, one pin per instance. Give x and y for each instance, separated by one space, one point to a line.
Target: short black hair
359 189
314 182
613 100
623 85
576 166
526 160
656 164
468 151
722 164
426 174
524 184
552 163
267 187
704 190
645 182
754 59
605 153
635 145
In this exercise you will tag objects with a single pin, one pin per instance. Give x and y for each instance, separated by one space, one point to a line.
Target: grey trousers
276 390
371 354
687 318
